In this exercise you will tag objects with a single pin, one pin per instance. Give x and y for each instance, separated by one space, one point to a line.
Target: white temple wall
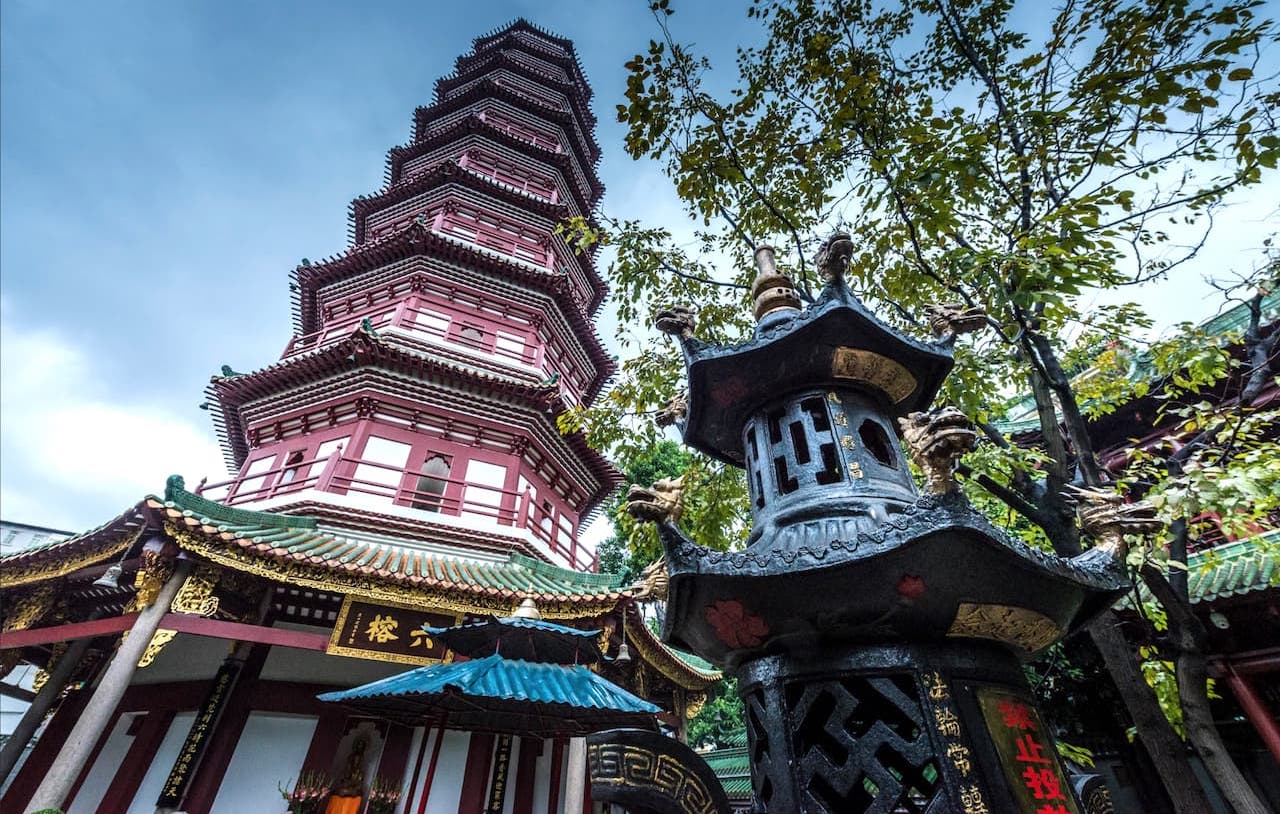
407 786
542 778
446 787
144 801
269 751
104 767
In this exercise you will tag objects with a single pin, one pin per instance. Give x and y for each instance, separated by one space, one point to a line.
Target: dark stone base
885 729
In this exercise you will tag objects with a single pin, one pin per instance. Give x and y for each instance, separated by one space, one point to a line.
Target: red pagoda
431 359
400 465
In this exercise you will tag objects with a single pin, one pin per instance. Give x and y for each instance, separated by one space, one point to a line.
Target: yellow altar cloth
343 805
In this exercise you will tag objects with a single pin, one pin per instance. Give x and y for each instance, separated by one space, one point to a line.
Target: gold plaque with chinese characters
387 631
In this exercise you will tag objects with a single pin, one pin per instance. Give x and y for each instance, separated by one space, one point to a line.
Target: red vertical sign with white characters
1030 764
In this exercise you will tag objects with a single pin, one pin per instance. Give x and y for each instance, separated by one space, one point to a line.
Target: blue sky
163 165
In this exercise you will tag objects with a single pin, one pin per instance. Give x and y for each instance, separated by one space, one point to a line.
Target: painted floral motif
911 587
734 625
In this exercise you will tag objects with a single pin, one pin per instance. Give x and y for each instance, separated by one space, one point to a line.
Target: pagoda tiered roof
567 56
448 171
418 240
503 59
400 155
487 89
363 350
476 72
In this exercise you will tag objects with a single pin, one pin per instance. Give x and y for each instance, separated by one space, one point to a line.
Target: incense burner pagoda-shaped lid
842 548
835 341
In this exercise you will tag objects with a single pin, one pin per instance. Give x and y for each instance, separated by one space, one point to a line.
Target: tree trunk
1186 640
1163 745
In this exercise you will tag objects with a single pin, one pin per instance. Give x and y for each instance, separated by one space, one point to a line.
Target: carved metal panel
861 745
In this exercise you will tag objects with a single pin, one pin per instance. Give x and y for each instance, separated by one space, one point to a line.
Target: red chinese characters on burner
1039 776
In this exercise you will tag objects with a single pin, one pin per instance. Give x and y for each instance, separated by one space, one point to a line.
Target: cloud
65 437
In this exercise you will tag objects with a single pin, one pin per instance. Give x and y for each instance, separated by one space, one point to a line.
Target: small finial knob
528 610
772 290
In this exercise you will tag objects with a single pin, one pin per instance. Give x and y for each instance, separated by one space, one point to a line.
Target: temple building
398 466
1233 583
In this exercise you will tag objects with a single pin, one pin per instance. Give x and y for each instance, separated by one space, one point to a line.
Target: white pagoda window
483 494
381 467
255 477
432 481
431 322
510 346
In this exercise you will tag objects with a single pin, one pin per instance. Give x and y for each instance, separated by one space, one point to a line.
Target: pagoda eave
251 542
503 59
567 57
416 240
228 394
447 171
588 152
399 155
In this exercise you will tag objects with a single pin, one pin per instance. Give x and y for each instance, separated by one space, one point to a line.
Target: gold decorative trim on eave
869 367
1023 628
671 667
46 569
333 580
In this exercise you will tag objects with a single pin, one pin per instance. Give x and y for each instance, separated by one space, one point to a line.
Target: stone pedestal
947 728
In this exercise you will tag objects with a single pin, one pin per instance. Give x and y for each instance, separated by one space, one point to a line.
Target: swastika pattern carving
861 745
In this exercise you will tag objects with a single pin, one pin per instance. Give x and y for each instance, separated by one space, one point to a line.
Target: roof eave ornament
833 258
937 440
1107 517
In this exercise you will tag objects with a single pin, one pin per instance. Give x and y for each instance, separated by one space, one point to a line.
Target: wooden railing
416 319
340 474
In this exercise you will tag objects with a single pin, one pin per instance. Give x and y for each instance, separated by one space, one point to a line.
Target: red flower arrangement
734 625
308 793
383 796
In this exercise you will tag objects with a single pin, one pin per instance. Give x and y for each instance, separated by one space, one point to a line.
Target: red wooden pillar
526 774
475 780
395 753
1255 709
324 741
43 754
120 793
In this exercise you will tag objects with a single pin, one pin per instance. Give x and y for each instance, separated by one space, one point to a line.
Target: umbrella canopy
495 694
516 637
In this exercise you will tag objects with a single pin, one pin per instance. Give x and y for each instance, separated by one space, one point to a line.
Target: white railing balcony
373 485
442 328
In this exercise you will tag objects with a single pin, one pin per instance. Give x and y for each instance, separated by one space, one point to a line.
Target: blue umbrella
520 638
497 694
